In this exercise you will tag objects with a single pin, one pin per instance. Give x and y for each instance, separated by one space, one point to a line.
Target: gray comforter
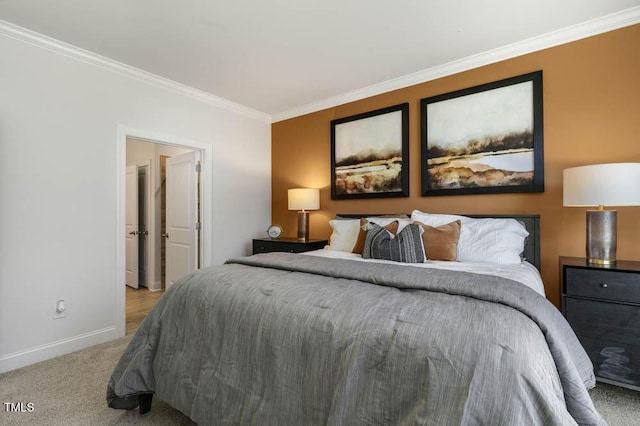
286 339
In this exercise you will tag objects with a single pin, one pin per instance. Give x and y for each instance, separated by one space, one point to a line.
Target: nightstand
292 245
602 305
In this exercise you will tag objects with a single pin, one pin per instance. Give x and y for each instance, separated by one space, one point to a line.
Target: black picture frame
486 139
370 154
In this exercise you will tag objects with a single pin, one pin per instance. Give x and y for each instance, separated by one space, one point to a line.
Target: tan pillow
359 246
441 243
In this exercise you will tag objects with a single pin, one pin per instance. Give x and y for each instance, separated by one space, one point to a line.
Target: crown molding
590 28
24 35
586 29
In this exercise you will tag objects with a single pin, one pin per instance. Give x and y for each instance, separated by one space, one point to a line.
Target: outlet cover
60 310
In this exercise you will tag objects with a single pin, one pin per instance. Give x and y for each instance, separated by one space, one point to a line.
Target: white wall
59 191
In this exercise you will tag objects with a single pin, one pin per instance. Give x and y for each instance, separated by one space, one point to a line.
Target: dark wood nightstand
292 245
602 305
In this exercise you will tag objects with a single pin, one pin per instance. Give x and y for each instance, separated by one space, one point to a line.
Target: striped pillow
405 247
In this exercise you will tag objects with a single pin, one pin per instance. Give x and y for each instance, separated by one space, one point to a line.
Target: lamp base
303 226
602 238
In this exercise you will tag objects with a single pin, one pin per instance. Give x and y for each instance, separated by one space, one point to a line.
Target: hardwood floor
139 302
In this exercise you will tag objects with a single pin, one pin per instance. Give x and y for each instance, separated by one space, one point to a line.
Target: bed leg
145 402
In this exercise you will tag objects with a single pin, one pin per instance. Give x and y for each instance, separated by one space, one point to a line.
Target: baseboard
61 347
155 286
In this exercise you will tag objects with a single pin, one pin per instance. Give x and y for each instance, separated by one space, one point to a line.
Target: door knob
165 235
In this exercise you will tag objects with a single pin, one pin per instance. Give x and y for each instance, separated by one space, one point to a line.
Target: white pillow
436 220
344 235
345 231
492 240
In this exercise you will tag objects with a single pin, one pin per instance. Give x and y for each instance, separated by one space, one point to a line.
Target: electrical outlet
60 309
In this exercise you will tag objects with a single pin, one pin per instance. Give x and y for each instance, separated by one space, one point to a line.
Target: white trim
206 197
590 28
120 318
24 35
155 286
54 349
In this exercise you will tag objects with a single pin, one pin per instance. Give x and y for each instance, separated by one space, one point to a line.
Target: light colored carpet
70 390
618 406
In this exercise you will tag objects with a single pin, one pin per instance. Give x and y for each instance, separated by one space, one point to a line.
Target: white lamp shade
615 184
304 199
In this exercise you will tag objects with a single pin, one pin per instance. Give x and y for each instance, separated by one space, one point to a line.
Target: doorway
162 244
146 153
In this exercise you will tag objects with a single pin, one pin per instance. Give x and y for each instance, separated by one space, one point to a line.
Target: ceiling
280 57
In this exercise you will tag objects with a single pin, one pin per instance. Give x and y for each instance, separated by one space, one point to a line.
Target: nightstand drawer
604 321
602 284
269 246
291 245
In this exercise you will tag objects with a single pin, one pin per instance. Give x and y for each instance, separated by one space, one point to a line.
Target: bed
335 337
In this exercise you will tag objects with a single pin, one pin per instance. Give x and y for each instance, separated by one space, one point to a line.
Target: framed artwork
484 140
370 154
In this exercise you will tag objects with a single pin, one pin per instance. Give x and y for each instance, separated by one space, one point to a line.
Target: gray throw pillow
405 247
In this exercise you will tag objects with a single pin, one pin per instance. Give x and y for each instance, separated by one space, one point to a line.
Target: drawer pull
604 285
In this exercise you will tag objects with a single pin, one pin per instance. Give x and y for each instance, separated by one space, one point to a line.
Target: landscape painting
485 139
369 154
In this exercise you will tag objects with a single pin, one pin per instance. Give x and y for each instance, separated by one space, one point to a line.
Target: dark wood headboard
530 221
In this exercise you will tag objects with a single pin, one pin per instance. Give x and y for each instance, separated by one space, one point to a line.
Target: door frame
148 197
206 197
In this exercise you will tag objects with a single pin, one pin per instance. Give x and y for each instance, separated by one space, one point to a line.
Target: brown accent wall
591 115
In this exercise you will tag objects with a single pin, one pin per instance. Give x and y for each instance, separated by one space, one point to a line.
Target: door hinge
198 167
198 226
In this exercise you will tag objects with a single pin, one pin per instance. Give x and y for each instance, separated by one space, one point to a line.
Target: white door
131 227
182 216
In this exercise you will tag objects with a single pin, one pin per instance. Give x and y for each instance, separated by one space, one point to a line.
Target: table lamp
304 199
614 184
